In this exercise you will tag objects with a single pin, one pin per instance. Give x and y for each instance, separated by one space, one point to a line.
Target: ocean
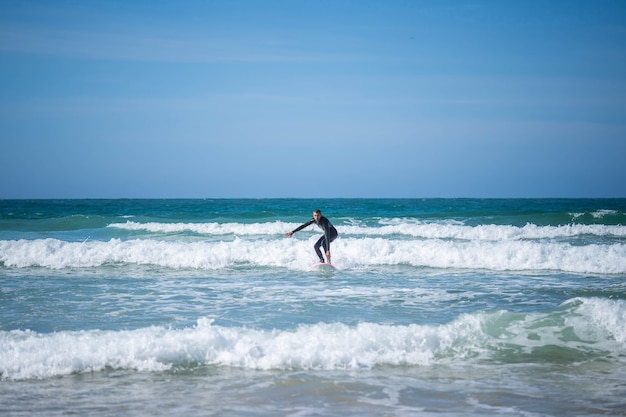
437 307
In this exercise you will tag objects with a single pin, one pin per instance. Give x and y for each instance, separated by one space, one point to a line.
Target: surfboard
325 266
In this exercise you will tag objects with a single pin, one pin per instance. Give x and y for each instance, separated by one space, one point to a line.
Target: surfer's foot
321 260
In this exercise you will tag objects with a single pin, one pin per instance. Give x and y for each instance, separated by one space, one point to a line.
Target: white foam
599 214
490 232
298 253
25 354
497 256
607 316
389 227
598 325
214 229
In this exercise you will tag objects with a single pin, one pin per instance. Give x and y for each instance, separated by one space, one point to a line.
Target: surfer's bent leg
320 242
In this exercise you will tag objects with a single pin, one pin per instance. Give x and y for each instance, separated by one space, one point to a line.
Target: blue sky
219 99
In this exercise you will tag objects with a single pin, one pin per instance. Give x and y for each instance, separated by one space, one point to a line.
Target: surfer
330 234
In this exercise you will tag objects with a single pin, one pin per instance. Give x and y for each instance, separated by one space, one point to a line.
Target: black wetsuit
330 234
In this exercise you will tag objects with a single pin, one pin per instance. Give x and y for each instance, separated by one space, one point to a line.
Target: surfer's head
317 215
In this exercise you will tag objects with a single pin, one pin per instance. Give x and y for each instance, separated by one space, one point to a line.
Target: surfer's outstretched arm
310 222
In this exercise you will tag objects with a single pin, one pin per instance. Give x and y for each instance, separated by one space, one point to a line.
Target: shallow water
203 307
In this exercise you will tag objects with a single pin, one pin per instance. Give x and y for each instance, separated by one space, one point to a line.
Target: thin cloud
146 47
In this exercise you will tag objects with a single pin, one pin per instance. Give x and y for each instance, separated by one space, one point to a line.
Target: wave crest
581 329
297 254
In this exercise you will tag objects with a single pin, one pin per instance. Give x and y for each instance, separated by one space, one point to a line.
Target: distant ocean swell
581 329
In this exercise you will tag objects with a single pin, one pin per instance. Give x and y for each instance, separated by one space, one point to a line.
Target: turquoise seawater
204 307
